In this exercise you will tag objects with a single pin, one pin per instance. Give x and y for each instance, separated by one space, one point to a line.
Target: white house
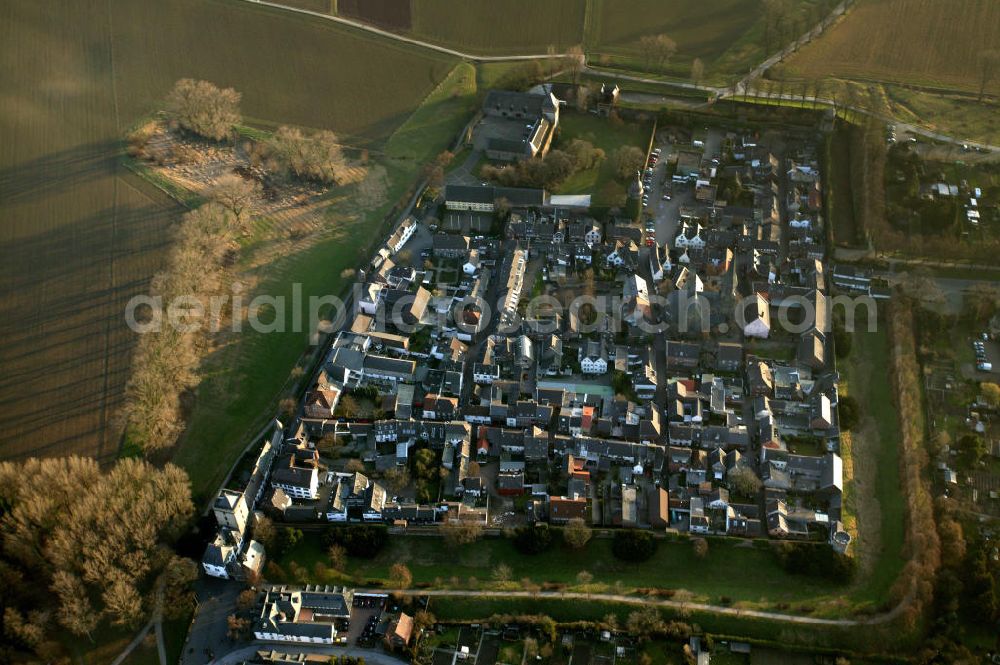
757 317
371 295
689 236
221 553
471 265
402 234
594 358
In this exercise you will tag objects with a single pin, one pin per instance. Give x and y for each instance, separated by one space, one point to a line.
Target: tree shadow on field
51 173
65 347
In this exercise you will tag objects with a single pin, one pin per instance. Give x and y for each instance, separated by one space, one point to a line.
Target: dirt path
655 602
155 623
358 25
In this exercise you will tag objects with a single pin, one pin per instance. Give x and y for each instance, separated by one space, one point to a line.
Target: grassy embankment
245 382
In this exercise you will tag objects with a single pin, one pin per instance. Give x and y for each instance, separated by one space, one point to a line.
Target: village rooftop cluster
728 427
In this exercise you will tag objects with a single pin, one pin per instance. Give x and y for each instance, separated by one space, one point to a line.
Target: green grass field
673 567
439 119
865 375
600 181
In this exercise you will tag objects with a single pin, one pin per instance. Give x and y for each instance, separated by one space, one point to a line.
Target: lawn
439 119
960 116
874 493
721 575
600 181
839 200
917 42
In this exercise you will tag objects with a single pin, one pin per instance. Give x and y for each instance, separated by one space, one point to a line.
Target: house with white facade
594 358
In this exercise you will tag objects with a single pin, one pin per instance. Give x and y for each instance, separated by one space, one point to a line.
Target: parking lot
365 617
666 212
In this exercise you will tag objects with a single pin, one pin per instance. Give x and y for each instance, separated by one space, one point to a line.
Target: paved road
373 657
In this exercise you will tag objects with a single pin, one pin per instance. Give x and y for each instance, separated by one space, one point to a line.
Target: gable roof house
728 357
516 125
321 403
635 297
756 317
811 350
594 358
682 355
449 246
400 632
297 473
309 614
220 555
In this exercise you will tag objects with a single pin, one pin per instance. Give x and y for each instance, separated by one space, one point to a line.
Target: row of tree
913 589
81 547
166 359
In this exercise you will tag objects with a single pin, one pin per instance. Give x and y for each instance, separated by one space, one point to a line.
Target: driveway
462 174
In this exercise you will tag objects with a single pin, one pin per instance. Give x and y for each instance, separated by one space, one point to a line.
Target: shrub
633 545
360 540
532 539
850 412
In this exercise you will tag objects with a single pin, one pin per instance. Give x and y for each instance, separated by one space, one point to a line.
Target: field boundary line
413 41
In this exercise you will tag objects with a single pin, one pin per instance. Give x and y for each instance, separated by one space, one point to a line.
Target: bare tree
203 108
627 160
575 60
397 478
744 481
235 194
700 547
76 612
697 71
658 49
577 534
265 533
338 557
237 627
461 533
400 576
317 157
502 572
